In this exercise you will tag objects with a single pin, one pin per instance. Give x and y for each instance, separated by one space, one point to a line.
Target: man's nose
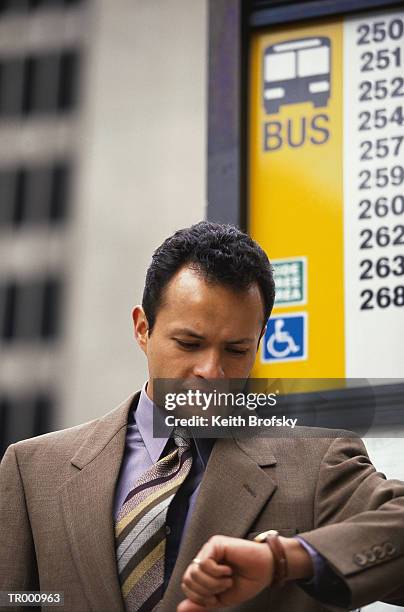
209 365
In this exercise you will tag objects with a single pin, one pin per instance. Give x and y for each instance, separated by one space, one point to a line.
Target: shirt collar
144 421
144 415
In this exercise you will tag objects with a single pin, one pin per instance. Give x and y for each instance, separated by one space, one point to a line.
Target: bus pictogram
295 71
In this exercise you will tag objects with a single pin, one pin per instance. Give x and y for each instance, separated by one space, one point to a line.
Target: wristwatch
271 537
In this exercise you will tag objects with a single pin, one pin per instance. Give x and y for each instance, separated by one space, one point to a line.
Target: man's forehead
194 282
189 296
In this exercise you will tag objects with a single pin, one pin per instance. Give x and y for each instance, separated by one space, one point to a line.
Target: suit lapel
87 505
233 491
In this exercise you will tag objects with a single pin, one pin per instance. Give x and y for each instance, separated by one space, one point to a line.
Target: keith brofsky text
250 420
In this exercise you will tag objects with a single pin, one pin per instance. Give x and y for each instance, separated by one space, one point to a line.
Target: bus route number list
379 155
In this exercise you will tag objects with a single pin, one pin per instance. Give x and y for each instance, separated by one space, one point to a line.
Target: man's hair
222 254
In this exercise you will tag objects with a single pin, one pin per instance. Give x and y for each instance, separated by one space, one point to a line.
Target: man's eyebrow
190 332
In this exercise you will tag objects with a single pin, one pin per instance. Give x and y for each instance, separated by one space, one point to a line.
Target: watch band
279 556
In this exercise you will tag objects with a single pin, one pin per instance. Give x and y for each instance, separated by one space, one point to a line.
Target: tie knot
181 437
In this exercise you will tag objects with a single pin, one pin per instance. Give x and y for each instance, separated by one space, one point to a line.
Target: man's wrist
268 560
300 564
298 560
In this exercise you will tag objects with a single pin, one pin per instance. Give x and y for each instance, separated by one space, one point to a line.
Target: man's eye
238 351
187 345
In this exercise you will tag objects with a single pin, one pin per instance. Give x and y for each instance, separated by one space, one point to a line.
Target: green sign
290 281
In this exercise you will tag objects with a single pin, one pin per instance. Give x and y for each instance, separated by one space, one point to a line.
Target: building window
8 294
7 196
12 83
50 84
49 318
35 195
30 311
45 83
24 416
68 80
18 6
60 192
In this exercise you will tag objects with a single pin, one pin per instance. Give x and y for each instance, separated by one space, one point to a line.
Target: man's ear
141 327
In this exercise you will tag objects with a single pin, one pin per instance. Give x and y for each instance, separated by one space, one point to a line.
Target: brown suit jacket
56 505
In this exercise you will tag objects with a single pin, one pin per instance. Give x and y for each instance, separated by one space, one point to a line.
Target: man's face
201 331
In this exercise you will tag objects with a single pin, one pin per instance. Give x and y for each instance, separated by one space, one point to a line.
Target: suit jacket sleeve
18 569
359 519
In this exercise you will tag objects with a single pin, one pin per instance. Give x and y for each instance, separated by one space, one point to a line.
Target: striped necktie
140 533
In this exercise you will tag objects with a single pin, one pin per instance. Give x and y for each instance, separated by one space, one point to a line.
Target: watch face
261 537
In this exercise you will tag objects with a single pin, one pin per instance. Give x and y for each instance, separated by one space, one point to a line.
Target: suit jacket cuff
325 585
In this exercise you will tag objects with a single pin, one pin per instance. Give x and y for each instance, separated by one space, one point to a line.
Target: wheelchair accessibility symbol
285 338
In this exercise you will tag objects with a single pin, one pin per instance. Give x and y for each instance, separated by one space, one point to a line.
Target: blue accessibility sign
285 338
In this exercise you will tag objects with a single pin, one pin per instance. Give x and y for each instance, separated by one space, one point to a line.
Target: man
112 516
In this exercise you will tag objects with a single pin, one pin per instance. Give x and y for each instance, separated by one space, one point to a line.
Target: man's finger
214 569
212 549
190 583
211 586
202 600
189 606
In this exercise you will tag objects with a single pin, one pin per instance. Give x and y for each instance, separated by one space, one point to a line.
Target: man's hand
230 571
